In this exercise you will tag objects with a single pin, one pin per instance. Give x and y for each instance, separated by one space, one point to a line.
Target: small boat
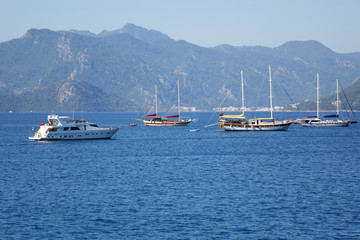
63 128
193 130
326 121
240 123
132 125
153 120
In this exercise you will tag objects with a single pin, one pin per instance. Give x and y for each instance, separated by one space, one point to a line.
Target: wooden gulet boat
316 121
153 120
240 123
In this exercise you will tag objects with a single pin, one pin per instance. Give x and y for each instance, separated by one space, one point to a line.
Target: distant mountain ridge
140 33
125 64
64 96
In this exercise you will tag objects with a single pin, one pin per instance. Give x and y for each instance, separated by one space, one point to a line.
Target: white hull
166 123
325 124
79 135
280 127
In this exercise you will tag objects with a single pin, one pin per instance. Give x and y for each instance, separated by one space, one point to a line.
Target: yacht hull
79 135
325 124
166 123
248 127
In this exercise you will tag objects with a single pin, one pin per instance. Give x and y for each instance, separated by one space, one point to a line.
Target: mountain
125 64
65 95
353 95
149 36
79 32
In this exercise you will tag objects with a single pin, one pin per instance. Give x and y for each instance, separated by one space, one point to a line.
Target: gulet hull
278 127
325 124
169 123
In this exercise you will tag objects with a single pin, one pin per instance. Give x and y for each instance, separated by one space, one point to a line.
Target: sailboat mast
179 99
271 103
156 110
337 97
317 95
242 93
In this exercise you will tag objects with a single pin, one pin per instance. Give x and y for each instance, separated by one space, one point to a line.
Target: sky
207 23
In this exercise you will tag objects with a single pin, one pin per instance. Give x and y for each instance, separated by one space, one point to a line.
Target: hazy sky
335 23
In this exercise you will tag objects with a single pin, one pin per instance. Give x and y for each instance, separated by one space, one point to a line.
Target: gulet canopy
150 116
174 116
241 116
331 116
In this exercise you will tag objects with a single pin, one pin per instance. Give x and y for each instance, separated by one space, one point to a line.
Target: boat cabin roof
56 117
56 120
241 116
271 119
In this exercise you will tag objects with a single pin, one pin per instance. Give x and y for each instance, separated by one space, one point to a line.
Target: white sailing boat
240 123
316 121
153 120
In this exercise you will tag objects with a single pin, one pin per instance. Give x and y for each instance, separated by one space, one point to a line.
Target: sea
171 183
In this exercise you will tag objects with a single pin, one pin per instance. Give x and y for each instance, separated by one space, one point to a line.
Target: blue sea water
168 183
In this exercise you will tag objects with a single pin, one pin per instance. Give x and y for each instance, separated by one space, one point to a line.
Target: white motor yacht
63 128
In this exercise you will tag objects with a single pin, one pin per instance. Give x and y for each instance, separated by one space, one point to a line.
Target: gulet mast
317 95
242 93
156 108
337 98
179 99
271 103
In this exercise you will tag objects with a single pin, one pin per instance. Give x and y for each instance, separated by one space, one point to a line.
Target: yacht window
66 128
74 128
52 129
94 125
